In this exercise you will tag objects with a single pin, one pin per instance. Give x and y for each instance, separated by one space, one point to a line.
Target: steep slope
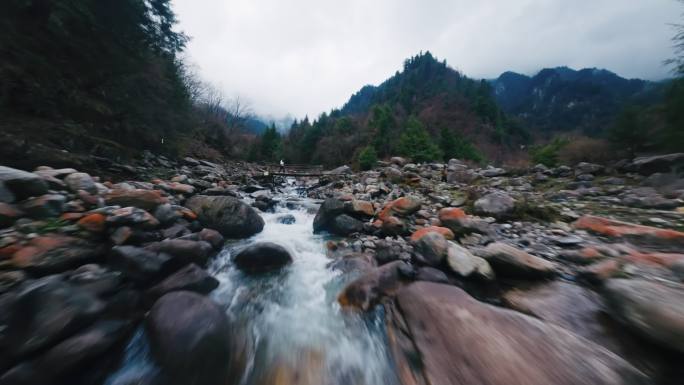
563 99
456 111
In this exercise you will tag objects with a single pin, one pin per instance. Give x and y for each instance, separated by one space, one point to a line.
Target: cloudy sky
308 56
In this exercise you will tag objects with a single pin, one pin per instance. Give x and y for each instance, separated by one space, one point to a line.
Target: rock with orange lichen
448 234
140 198
662 239
51 254
95 223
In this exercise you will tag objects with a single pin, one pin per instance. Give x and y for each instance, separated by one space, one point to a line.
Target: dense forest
107 77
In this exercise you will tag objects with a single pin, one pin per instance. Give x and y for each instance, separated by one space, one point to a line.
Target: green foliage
110 65
672 138
628 132
367 158
270 144
454 145
415 142
548 154
382 122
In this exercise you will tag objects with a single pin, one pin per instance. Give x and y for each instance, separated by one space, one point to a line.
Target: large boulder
454 339
227 215
374 286
184 251
190 338
19 185
340 217
51 254
190 278
652 237
431 249
81 181
43 312
655 310
497 204
140 265
511 262
140 198
262 257
660 163
69 358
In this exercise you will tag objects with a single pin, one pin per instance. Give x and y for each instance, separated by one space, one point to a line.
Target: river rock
68 358
19 185
458 340
344 225
190 338
183 251
42 312
460 260
431 249
80 181
51 254
375 285
431 274
190 278
44 206
262 257
497 204
140 198
8 214
652 237
509 261
329 210
655 310
228 215
138 264
660 163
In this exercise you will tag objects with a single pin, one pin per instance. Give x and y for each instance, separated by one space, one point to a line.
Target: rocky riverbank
570 275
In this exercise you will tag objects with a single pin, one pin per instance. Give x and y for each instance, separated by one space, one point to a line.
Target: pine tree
415 142
367 158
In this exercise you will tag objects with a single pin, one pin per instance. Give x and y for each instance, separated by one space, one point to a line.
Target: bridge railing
275 168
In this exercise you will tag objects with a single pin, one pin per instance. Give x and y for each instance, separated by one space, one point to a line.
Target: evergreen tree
415 142
382 122
271 144
367 158
628 133
454 145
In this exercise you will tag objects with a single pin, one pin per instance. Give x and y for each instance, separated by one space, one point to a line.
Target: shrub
585 149
367 158
548 154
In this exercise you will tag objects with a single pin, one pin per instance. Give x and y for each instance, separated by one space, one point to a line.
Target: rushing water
296 329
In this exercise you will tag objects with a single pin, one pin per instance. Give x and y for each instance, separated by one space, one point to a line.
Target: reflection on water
296 331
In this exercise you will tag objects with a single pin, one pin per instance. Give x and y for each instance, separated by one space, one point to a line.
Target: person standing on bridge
282 166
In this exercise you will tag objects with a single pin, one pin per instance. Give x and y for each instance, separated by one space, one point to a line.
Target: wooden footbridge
293 170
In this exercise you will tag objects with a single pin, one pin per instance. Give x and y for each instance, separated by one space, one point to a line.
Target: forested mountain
562 99
428 111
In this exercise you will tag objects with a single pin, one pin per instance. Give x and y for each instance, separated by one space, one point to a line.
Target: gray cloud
308 56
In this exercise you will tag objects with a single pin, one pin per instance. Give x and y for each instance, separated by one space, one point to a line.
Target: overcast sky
308 56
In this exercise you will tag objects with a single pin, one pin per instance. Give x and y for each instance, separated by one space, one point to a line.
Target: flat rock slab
461 341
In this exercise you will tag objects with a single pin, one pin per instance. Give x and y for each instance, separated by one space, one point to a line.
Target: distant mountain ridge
564 99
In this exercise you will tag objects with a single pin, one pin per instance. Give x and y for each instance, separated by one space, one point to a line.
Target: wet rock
69 356
10 279
54 254
44 311
80 181
344 225
497 204
44 206
655 310
431 274
341 170
19 185
190 338
140 265
509 261
140 198
374 286
227 215
190 278
95 279
183 251
262 257
353 262
167 214
287 219
458 340
214 238
359 208
431 249
329 210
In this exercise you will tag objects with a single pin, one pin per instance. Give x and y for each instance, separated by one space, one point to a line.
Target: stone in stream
509 261
441 335
655 310
431 249
190 337
190 278
262 257
228 215
16 185
375 285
